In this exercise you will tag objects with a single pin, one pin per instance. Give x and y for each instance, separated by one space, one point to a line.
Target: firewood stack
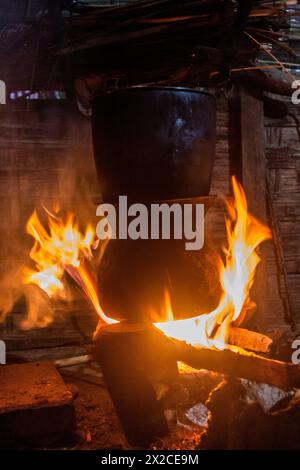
137 360
247 415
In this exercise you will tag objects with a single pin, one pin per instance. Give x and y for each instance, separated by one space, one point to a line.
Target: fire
237 271
63 248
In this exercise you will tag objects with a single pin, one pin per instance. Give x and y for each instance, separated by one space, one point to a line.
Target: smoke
11 290
50 168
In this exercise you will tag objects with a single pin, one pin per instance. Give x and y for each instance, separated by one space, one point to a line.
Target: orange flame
63 248
244 235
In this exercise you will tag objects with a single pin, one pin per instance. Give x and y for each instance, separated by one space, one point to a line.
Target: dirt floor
98 426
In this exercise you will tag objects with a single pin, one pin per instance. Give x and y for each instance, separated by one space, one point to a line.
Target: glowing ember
244 234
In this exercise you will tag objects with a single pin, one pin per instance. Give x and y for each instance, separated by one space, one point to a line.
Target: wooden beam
253 171
253 153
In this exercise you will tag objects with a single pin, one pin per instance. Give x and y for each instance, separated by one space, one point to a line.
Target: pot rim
155 88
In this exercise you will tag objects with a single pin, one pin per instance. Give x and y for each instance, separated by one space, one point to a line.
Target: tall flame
244 235
62 248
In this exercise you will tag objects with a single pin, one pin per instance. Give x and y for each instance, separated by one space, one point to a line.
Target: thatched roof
189 42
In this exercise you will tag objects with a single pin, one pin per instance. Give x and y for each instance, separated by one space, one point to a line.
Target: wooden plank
253 153
253 165
57 334
45 354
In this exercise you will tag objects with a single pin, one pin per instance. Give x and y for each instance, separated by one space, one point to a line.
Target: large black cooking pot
154 143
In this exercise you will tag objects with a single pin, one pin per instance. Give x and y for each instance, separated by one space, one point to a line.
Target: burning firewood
250 340
133 357
240 364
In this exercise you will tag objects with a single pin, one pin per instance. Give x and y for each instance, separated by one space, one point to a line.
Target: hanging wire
271 55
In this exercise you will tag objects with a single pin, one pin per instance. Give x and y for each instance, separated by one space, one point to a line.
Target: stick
73 361
247 339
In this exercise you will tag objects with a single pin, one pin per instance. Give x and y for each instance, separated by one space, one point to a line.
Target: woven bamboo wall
283 163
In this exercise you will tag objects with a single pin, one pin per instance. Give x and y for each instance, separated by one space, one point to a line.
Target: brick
36 407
